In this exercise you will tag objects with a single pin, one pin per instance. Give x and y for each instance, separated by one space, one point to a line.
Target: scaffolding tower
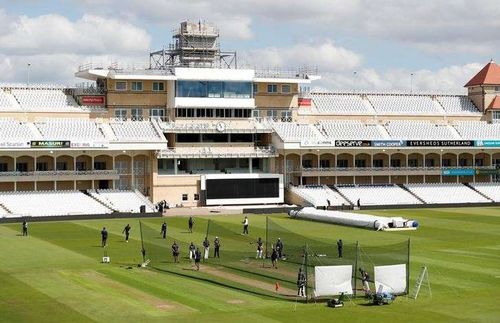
194 45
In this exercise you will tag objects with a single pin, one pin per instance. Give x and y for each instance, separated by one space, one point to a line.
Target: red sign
304 102
92 100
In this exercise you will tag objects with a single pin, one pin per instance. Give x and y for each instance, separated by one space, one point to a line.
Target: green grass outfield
55 274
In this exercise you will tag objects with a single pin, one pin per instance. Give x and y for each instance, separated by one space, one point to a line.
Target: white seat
446 193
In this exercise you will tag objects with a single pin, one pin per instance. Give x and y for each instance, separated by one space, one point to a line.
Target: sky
383 45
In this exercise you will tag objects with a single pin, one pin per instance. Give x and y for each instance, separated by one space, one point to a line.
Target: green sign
490 171
50 144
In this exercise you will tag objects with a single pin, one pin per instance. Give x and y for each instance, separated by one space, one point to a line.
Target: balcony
218 152
58 175
374 171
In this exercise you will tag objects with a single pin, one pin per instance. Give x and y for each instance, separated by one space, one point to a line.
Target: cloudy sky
361 44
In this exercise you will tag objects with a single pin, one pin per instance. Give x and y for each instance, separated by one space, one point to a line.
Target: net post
208 228
356 269
306 262
143 251
408 268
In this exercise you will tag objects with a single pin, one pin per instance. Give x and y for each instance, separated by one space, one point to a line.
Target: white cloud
326 56
55 46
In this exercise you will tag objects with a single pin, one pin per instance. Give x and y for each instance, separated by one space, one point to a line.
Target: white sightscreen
390 279
332 280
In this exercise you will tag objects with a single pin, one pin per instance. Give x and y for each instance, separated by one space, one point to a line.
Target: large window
121 114
495 117
214 89
136 113
272 88
136 86
285 88
121 86
158 86
158 113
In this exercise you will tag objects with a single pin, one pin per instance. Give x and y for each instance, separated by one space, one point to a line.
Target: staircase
483 195
3 207
109 206
333 188
413 194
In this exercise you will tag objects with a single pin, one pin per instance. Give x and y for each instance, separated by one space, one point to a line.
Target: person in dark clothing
192 250
206 247
175 252
163 231
358 203
25 228
259 249
104 237
190 224
301 283
279 248
216 247
245 225
126 230
274 258
340 247
197 258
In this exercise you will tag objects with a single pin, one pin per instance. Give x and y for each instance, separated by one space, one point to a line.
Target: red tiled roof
489 75
495 104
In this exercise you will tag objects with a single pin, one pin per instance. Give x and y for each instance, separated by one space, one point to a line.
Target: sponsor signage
353 143
92 100
304 102
50 144
440 143
14 144
388 143
458 172
490 171
325 143
487 143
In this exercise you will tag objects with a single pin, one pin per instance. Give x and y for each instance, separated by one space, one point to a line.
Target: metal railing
381 169
60 173
226 152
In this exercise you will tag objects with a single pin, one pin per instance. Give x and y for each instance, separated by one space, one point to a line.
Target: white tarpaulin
390 279
332 280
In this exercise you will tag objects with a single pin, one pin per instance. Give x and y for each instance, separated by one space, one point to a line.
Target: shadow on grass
222 284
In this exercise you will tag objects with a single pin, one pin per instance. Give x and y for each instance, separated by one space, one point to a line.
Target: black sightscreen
237 188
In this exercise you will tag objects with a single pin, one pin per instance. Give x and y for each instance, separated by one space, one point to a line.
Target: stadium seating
377 195
478 130
319 195
448 193
420 130
297 132
354 130
122 201
44 100
14 130
135 131
404 104
491 190
6 102
70 129
340 103
51 203
457 104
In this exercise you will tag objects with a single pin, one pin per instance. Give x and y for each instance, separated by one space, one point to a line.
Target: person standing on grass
301 283
340 247
190 224
365 277
104 237
279 248
163 231
206 246
25 229
192 250
259 249
245 225
175 252
197 258
274 258
126 230
216 247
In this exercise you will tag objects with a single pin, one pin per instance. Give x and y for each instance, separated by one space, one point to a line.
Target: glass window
61 166
395 162
412 162
285 88
360 163
121 114
255 88
342 163
272 88
158 86
446 162
99 165
22 167
307 163
136 86
3 167
429 163
496 117
325 163
214 89
378 163
197 197
136 113
192 89
121 86
42 167
255 113
184 197
238 90
157 113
